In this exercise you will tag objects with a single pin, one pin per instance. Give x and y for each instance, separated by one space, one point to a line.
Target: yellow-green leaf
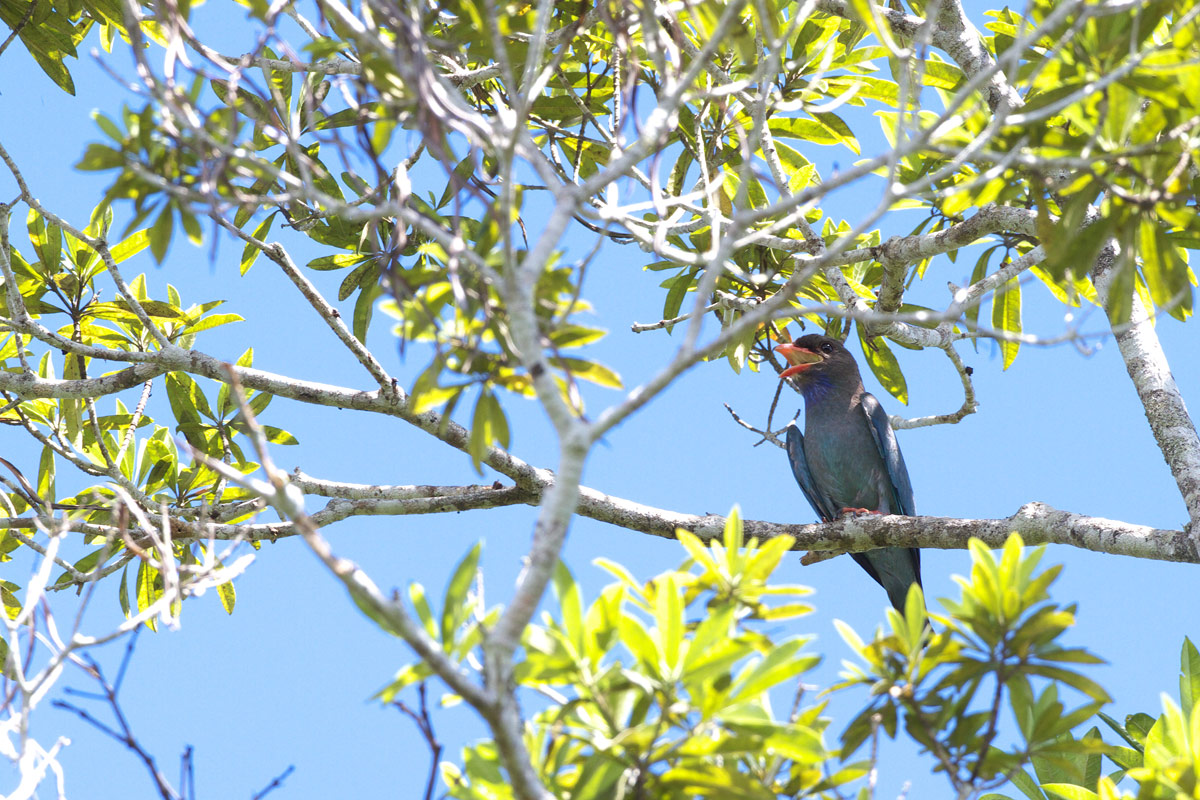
228 596
1006 316
884 366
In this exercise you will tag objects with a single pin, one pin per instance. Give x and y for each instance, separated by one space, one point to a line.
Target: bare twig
420 717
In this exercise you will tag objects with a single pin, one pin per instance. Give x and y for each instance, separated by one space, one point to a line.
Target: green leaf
187 401
416 593
823 128
1028 786
365 274
884 365
571 604
849 636
406 676
1139 725
251 251
712 632
914 613
575 336
245 102
639 643
12 605
1006 316
99 157
160 234
800 171
1119 303
680 285
457 604
711 780
1189 680
1124 757
211 321
1074 680
597 778
797 743
123 591
279 436
482 435
228 596
130 246
46 476
364 308
942 75
733 534
1165 270
84 565
1069 791
696 549
225 402
972 314
589 371
191 226
147 590
668 616
780 664
46 239
281 81
337 261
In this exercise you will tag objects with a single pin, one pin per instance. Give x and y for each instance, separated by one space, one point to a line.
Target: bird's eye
826 347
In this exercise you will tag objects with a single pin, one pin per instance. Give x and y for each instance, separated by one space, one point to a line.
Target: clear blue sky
287 679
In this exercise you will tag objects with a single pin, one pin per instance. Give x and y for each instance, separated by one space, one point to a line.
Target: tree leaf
147 590
1189 679
589 371
160 234
597 778
457 605
228 596
668 616
1069 791
364 309
130 246
570 603
884 365
1006 316
251 251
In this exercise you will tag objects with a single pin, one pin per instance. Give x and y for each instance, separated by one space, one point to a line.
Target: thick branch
952 33
1150 372
901 251
1037 522
29 386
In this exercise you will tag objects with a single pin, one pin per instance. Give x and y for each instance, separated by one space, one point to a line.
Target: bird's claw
854 512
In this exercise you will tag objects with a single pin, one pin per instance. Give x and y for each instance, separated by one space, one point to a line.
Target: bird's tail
896 569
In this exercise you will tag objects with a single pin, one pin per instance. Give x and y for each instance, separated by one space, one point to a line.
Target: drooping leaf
884 365
1006 317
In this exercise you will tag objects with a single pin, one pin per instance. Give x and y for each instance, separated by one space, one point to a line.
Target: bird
848 459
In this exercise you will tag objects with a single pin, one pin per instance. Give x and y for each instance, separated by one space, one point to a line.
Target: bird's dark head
815 358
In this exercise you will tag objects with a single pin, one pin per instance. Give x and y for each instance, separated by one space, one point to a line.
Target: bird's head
815 357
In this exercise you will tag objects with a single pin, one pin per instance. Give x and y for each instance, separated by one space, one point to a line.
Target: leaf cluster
662 688
669 687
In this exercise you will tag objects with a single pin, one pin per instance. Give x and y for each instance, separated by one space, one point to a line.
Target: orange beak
800 358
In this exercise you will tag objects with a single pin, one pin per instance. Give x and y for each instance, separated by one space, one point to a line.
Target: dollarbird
847 460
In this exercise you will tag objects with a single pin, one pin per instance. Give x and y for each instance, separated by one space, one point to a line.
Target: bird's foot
854 512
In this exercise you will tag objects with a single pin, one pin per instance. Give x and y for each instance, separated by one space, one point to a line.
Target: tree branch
1037 522
1150 372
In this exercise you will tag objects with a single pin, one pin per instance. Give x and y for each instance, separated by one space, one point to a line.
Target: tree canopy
456 183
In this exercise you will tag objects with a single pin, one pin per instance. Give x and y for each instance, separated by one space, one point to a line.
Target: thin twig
424 723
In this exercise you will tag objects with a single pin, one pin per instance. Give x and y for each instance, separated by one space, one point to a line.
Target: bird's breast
846 467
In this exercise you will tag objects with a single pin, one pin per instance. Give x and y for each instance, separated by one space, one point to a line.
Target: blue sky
286 680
